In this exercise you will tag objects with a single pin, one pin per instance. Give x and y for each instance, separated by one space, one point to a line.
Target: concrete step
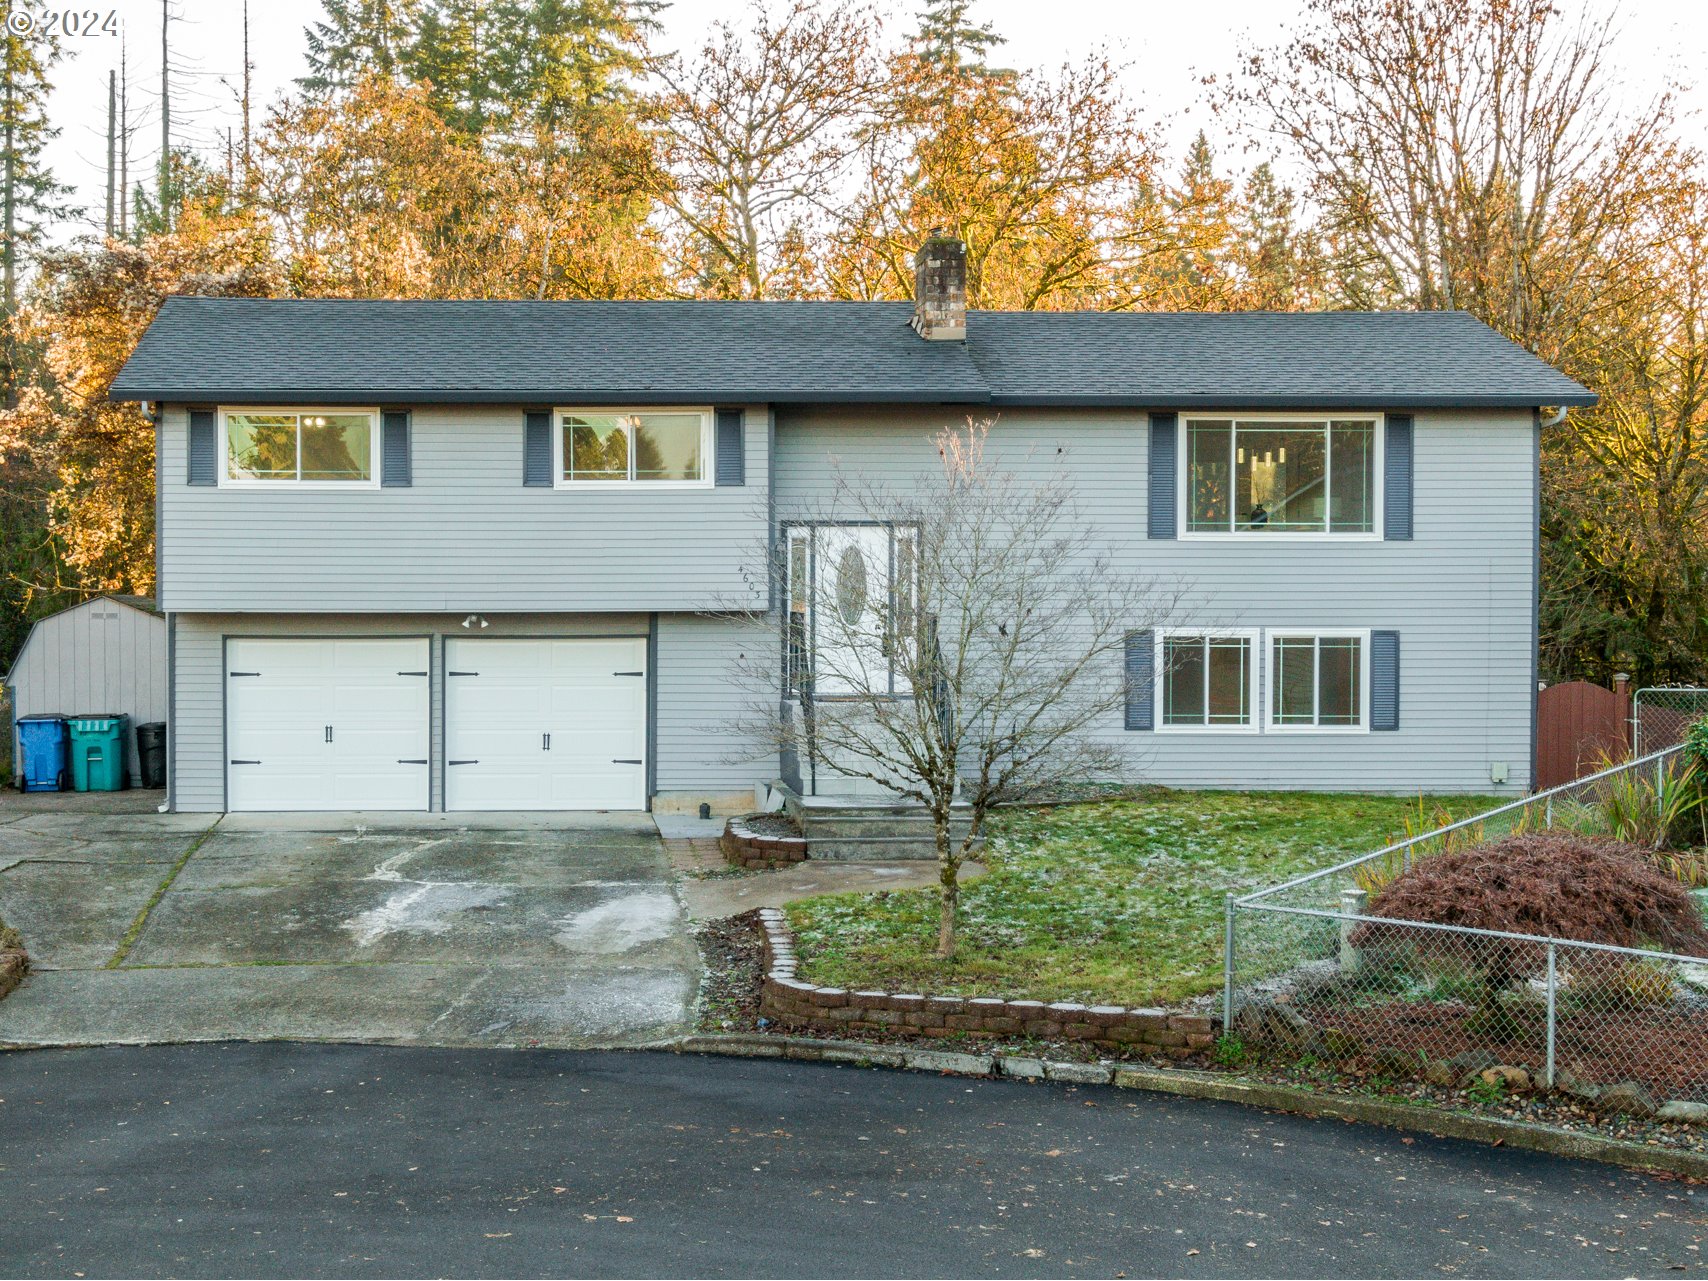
870 849
918 826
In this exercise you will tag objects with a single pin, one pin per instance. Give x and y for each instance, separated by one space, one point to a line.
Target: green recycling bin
98 753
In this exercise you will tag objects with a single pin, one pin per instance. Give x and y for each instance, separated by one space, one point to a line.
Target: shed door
545 724
326 724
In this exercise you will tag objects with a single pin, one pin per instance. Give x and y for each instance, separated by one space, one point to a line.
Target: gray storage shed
106 655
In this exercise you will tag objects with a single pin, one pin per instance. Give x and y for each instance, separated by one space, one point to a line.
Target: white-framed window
334 448
1278 475
1207 680
1319 681
617 448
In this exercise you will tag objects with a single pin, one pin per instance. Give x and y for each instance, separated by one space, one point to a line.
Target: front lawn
1116 902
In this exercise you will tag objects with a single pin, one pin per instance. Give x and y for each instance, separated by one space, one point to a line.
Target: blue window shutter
537 448
732 448
1141 680
204 448
395 465
1384 680
1396 478
1164 521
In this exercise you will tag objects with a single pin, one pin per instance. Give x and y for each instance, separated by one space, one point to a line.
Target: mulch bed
1664 1050
733 952
771 825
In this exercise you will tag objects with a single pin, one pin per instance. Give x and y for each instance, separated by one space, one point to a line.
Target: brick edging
758 851
14 964
1203 1085
785 999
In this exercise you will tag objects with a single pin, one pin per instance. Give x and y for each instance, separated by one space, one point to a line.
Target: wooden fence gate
1577 724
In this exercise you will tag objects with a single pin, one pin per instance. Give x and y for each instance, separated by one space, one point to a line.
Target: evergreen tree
29 195
357 38
457 52
948 38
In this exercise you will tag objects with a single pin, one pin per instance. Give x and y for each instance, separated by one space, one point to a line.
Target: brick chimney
940 288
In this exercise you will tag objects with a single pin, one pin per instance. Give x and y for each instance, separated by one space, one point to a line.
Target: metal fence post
1228 967
1553 989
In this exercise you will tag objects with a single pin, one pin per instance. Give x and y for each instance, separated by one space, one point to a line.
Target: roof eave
538 396
1225 400
796 396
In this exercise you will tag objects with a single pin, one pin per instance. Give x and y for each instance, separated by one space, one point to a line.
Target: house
462 555
106 655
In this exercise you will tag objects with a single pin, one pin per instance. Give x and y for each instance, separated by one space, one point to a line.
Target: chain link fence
1660 714
1311 976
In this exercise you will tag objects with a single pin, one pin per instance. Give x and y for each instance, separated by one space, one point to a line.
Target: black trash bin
151 753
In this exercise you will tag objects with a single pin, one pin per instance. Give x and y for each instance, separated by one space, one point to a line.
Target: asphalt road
320 1160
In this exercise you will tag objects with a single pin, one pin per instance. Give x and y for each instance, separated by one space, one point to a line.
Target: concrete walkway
450 930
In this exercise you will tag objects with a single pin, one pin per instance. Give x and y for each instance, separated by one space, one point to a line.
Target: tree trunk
948 888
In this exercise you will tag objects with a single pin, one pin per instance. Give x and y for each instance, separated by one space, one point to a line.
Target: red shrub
1551 883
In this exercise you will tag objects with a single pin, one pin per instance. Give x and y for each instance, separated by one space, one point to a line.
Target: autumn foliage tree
87 311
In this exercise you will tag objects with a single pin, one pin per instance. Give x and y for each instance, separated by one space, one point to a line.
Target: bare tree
758 128
954 641
1469 154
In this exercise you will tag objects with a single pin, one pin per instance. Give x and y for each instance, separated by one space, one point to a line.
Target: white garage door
326 724
545 724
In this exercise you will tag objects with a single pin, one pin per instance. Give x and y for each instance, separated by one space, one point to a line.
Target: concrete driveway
501 930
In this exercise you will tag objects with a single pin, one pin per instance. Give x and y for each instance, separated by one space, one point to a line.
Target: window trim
1183 478
1254 672
375 447
708 449
1271 685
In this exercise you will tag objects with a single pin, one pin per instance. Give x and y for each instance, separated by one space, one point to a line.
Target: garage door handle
412 673
246 762
421 760
628 673
462 762
243 673
545 742
462 673
625 762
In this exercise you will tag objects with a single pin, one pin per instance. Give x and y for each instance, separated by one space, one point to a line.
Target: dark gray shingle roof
354 351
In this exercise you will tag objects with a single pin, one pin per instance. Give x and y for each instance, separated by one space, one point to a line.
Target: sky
1166 48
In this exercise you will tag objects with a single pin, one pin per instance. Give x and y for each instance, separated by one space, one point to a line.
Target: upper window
1280 474
1317 681
310 446
667 447
1207 680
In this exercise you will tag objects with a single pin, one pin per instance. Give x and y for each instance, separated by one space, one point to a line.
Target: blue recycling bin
44 743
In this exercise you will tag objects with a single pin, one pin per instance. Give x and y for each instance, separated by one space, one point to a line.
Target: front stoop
862 829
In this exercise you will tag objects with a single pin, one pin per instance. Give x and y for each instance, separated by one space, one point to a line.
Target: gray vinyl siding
1459 593
694 698
100 656
465 535
708 688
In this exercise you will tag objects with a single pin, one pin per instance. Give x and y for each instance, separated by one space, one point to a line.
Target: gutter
1220 400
